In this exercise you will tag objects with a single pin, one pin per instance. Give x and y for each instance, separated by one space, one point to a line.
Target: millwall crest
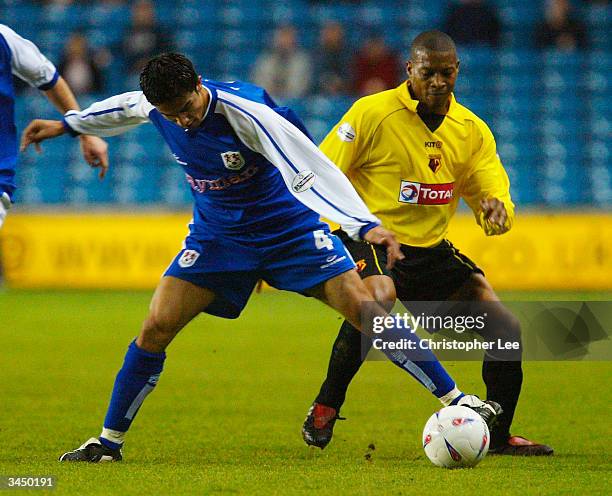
233 160
188 258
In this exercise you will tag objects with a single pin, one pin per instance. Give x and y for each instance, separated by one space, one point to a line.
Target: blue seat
295 12
21 15
600 104
517 82
599 59
320 13
195 16
111 16
598 16
597 82
600 126
509 59
568 148
599 152
106 37
560 81
516 14
62 16
560 105
429 13
562 60
558 127
600 178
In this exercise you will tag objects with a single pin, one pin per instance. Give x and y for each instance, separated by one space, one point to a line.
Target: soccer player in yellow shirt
411 153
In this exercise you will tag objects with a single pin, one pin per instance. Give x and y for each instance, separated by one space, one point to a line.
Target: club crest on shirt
233 160
188 258
435 162
346 132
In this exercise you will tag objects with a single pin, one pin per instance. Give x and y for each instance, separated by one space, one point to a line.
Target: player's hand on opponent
94 149
493 216
381 236
95 153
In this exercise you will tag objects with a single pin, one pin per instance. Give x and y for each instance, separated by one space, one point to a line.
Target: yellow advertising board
101 250
112 250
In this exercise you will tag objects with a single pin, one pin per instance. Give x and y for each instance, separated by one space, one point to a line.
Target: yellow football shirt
412 178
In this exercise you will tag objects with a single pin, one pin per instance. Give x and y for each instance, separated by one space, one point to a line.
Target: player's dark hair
436 41
166 77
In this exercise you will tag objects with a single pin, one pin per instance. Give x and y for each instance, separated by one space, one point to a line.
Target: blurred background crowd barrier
538 72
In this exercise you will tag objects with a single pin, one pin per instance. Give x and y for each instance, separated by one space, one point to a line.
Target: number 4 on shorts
322 240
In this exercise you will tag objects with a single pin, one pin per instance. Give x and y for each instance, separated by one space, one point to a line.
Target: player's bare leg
175 303
348 294
503 378
344 363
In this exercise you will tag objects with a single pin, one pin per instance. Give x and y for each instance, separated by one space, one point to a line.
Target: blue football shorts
231 266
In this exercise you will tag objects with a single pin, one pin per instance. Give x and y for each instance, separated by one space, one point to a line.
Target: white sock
116 437
449 397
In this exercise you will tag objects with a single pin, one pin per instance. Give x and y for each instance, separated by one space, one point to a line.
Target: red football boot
519 446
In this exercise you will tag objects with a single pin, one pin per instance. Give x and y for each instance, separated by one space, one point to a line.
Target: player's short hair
168 76
436 41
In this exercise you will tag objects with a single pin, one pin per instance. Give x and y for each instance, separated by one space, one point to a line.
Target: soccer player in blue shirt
259 186
22 58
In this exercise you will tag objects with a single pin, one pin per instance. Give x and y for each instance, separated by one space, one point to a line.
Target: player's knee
383 290
159 328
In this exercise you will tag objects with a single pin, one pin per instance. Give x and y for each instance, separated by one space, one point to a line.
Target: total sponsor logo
426 194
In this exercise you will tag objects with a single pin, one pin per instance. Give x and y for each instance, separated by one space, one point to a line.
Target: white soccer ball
456 437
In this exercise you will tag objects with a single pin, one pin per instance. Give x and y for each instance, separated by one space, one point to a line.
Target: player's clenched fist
494 216
381 236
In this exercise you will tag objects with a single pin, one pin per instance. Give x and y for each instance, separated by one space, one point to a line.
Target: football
456 437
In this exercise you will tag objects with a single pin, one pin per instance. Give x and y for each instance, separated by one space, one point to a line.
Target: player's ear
408 68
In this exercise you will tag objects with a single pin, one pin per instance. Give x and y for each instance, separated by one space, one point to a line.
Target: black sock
344 362
503 381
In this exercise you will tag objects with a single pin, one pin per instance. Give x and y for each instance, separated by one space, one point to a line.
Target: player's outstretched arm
38 131
109 117
31 66
93 149
487 188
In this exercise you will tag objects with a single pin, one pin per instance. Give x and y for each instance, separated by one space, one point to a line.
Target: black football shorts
426 274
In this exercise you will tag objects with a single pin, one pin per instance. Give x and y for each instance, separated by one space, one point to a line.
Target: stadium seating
550 111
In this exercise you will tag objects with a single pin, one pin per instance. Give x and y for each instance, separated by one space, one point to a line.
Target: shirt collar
404 96
212 101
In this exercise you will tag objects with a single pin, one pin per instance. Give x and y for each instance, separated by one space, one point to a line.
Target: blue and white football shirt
23 59
249 164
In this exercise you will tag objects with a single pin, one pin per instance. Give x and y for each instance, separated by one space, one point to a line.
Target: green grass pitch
226 415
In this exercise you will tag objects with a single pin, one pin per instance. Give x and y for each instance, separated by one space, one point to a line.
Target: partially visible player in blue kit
259 185
22 58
